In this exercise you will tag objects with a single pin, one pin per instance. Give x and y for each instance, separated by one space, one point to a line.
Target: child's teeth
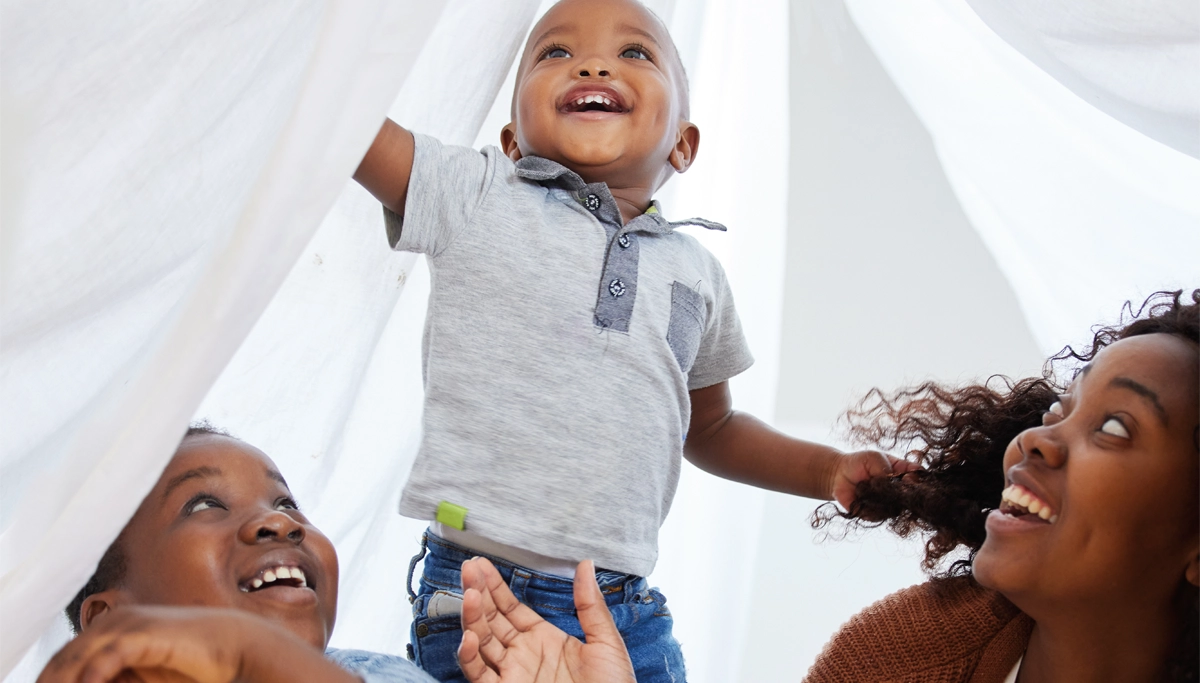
607 102
257 583
298 574
283 573
589 99
579 101
268 576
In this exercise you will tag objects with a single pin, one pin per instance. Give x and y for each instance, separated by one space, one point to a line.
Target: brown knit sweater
949 631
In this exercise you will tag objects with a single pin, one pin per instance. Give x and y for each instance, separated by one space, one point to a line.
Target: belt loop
630 584
518 583
412 567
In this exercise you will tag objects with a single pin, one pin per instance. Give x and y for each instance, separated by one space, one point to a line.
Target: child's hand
860 466
506 642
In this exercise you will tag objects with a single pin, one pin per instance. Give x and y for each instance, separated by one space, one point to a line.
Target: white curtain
167 167
1080 210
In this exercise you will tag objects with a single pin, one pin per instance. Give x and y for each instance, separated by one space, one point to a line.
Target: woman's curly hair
959 435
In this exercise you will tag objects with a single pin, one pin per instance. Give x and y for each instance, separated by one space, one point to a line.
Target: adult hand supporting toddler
507 642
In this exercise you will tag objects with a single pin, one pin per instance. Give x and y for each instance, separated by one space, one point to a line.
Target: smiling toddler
577 342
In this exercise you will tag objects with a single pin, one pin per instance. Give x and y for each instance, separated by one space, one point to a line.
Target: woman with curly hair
1062 522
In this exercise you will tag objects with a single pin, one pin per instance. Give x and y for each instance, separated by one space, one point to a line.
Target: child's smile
593 101
600 92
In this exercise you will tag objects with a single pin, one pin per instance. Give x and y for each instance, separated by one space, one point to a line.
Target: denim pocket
436 634
688 315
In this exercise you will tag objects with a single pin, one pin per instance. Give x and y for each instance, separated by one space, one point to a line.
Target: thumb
594 617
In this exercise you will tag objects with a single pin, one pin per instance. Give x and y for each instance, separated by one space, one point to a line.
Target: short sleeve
446 186
723 351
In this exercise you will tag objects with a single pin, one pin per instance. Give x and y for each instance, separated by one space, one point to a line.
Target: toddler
577 343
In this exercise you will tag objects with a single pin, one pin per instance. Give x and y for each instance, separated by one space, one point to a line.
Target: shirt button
623 240
616 288
592 202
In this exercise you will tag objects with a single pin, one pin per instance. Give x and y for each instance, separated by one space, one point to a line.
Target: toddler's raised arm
386 168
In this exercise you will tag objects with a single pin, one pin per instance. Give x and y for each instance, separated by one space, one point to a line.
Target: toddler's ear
687 142
508 142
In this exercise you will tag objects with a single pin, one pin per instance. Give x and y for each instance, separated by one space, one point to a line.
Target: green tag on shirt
452 515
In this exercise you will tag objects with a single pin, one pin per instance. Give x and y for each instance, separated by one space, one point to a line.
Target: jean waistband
451 555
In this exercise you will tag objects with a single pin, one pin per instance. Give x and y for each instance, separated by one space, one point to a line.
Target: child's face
613 51
217 522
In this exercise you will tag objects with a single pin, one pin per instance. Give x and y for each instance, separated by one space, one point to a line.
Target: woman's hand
158 644
507 642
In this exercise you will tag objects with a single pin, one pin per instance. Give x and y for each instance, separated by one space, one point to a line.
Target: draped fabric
1080 210
179 240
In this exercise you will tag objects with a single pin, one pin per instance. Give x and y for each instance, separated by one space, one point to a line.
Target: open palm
507 642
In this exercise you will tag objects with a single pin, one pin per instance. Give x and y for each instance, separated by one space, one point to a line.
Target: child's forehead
580 15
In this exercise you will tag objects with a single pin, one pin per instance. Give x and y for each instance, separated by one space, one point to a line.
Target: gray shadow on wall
887 283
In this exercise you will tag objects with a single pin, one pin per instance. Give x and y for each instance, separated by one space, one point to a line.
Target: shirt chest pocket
688 317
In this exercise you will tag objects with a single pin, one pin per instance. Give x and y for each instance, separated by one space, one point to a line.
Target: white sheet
1080 211
166 166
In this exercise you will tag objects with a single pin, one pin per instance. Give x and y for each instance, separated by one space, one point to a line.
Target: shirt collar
547 172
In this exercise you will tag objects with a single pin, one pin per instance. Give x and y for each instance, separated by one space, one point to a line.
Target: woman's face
220 528
1101 501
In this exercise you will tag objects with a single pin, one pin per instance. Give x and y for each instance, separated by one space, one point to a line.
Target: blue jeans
639 611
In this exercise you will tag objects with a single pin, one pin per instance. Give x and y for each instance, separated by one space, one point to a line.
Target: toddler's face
597 92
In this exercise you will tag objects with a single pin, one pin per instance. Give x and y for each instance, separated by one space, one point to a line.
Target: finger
902 466
594 616
480 576
519 616
122 655
474 620
68 663
471 663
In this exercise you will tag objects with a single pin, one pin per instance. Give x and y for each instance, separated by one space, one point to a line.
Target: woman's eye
286 504
556 53
634 53
1114 427
203 504
1054 412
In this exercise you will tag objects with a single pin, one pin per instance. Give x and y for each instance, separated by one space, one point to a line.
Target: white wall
887 284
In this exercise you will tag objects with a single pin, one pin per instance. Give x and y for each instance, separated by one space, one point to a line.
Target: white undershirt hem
519 556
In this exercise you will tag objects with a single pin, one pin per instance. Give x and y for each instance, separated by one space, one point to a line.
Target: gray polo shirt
559 349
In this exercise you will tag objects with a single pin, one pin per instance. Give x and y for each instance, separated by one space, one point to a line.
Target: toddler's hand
860 466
